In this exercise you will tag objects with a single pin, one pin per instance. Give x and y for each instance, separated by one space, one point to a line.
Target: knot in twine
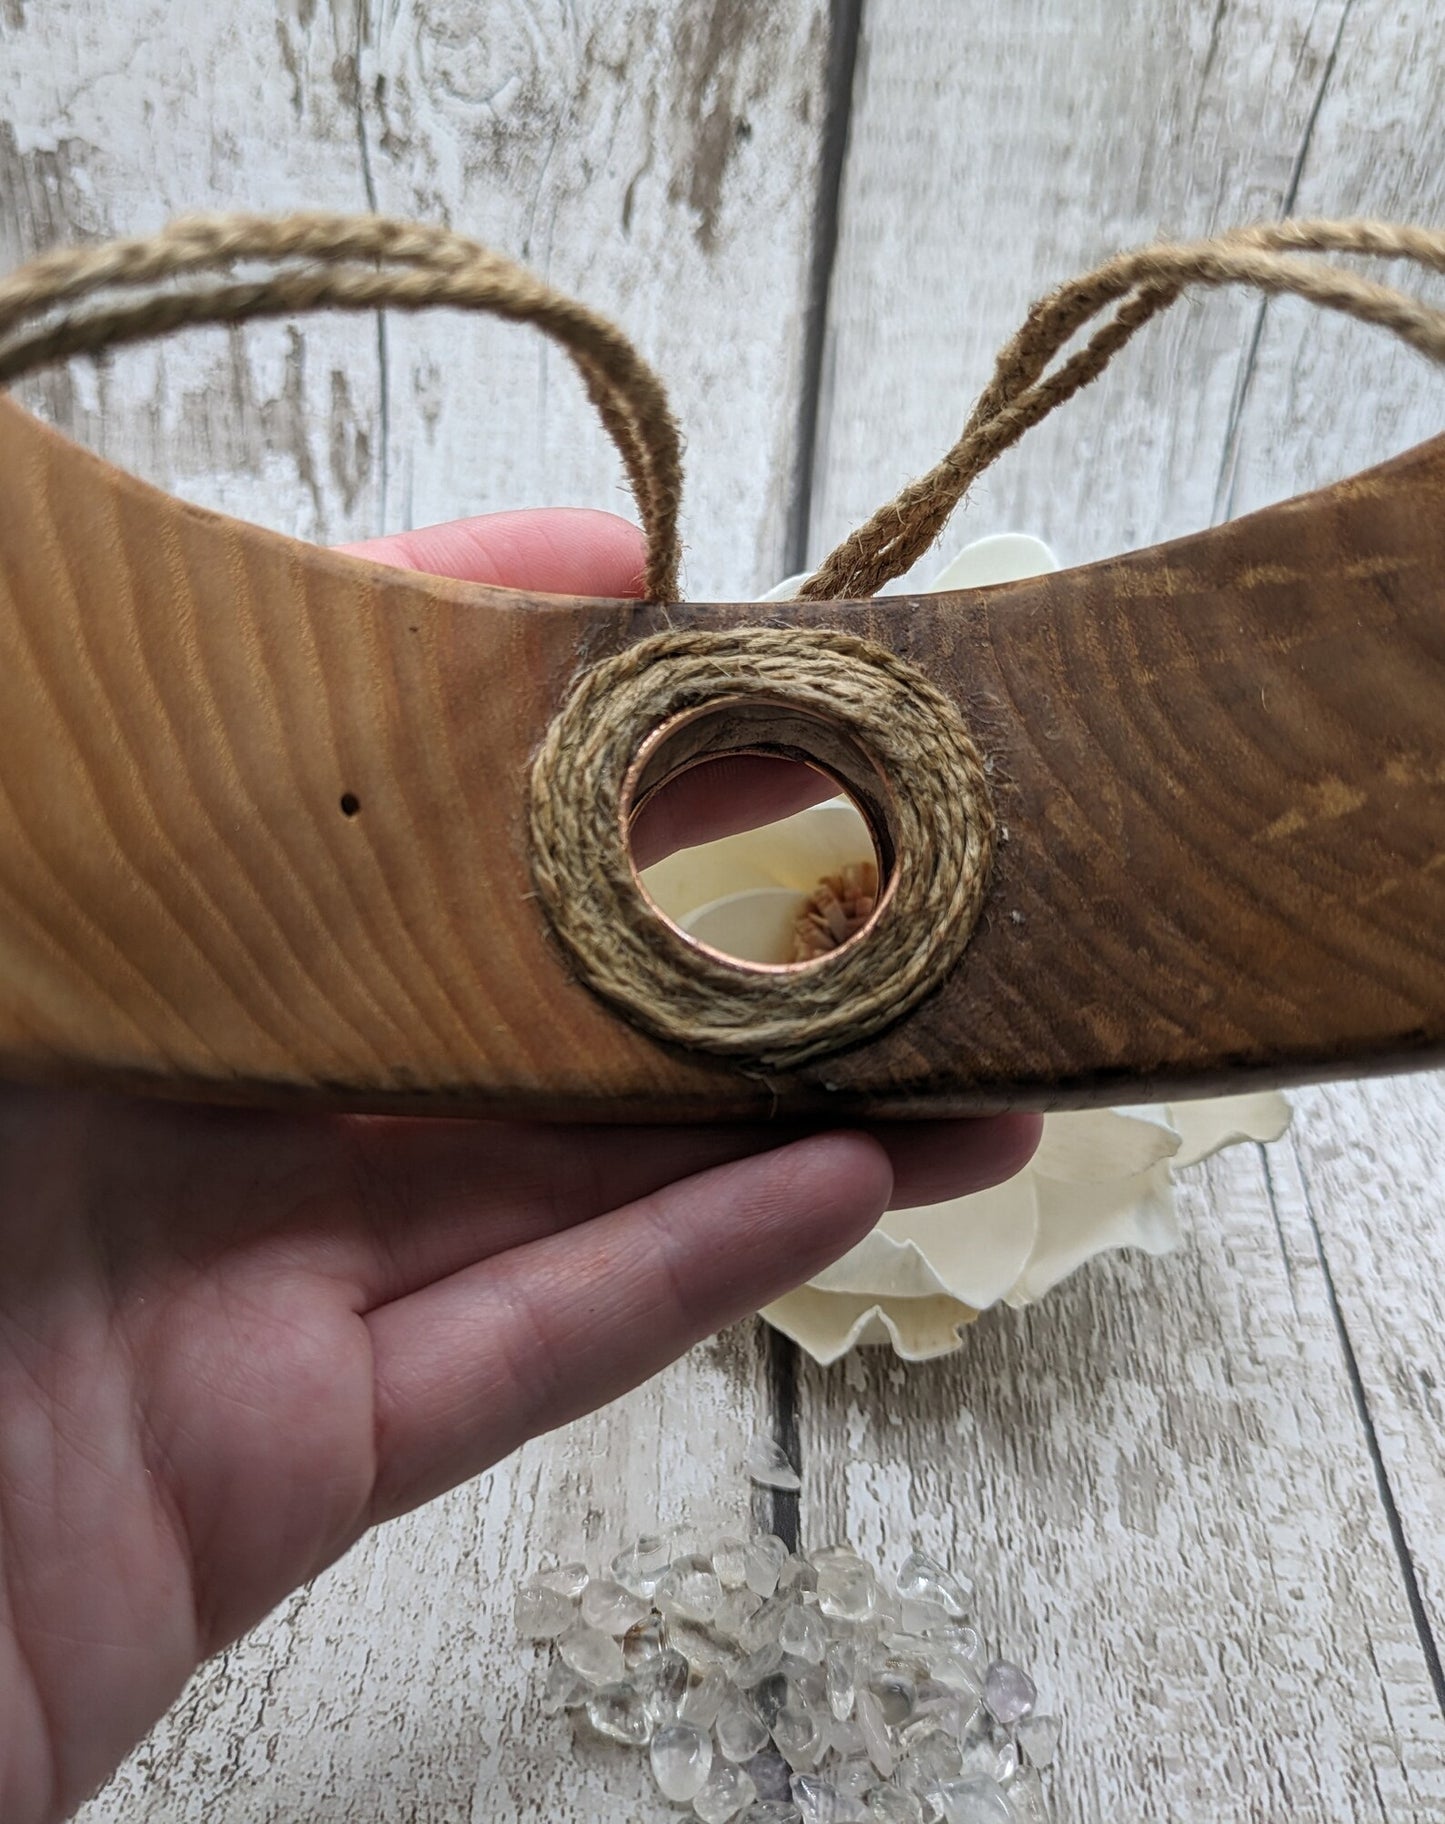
942 817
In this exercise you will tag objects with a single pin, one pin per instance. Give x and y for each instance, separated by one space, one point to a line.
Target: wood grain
257 840
1363 1169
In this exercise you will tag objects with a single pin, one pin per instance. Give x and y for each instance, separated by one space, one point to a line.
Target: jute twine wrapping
944 836
945 818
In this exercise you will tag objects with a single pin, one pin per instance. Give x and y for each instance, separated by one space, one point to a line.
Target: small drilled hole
350 804
761 853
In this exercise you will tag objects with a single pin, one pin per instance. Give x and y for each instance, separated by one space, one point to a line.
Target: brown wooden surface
1221 763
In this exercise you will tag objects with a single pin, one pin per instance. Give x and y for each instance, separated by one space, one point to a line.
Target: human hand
230 1341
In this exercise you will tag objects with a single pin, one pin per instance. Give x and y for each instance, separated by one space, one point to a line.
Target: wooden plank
1158 1479
114 121
1365 1167
1205 1561
990 161
1313 394
656 161
391 1689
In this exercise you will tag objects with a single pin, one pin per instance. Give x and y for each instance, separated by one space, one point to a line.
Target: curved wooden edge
1221 764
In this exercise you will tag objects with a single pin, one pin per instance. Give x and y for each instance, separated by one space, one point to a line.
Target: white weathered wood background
1205 1496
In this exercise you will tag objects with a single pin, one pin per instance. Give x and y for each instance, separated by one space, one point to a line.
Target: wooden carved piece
263 831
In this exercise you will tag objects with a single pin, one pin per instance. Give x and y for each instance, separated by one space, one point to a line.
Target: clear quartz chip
930 1757
766 1557
762 1663
564 1690
772 1775
702 1646
795 1736
593 1656
727 1791
819 1801
875 1733
702 1698
847 1588
1026 1798
807 1688
845 1738
661 1683
541 1613
689 1592
923 1617
895 1694
793 1688
769 1697
889 1805
767 1464
1009 1693
841 1670
729 1562
681 1756
854 1777
734 1610
611 1608
640 1564
938 1707
617 1711
950 1668
975 1801
796 1577
567 1580
804 1633
923 1579
987 1749
764 1624
1038 1736
960 1640
643 1642
741 1732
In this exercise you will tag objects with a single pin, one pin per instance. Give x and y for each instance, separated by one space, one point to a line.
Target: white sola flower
1101 1179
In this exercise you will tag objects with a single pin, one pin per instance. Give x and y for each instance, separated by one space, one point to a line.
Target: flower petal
1079 1220
1006 557
880 1267
974 1248
829 1324
795 852
1099 1144
1206 1126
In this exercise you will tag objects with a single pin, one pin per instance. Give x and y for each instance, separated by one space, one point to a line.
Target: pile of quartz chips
770 1687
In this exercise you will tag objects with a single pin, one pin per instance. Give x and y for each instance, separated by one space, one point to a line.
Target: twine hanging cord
1141 284
347 262
366 262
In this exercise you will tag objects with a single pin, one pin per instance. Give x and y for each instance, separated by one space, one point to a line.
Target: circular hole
759 833
350 804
